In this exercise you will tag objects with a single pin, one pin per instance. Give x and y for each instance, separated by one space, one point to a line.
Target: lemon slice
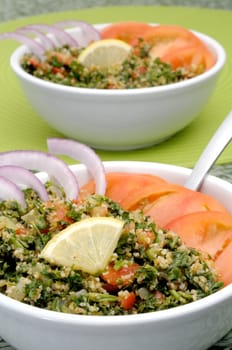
86 245
104 53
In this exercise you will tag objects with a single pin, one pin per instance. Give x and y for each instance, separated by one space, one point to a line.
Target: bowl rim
210 41
33 312
211 301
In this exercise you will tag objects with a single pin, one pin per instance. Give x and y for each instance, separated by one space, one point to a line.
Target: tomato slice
208 231
223 264
126 31
169 34
179 47
120 185
146 195
193 57
175 204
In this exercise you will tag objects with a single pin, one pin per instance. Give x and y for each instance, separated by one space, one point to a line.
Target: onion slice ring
33 45
10 191
60 35
42 161
83 154
89 32
44 39
22 176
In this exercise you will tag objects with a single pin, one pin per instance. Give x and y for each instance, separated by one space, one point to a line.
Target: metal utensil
212 151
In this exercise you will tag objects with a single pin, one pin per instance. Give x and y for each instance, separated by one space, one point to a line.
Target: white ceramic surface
195 326
120 119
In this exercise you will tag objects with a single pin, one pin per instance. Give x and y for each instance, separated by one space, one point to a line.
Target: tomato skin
128 301
223 264
179 47
176 204
173 44
126 31
148 194
208 231
169 33
190 57
121 277
120 185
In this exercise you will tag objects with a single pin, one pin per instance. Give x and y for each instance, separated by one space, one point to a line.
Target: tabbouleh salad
150 269
61 66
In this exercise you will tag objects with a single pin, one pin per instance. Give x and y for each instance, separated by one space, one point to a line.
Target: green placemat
22 128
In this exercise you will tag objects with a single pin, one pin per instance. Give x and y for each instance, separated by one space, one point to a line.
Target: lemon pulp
86 245
104 53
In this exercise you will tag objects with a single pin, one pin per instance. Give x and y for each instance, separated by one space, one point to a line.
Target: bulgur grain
159 270
139 70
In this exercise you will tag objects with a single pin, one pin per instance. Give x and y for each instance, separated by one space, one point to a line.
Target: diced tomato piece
121 277
208 231
21 231
34 62
175 204
57 70
59 213
127 301
126 31
159 296
145 237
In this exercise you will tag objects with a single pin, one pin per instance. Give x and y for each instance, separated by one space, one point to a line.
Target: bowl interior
210 42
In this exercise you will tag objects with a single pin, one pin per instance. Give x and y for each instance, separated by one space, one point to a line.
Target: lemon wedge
86 245
104 53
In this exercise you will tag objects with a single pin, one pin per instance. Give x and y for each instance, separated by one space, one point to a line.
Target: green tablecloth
22 128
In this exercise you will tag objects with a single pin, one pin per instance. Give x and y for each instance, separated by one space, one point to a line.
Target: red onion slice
89 32
83 154
32 44
41 161
10 191
44 39
60 35
22 176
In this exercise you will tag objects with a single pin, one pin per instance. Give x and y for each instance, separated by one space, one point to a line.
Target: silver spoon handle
216 145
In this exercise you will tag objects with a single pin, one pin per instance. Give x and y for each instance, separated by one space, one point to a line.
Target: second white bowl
120 119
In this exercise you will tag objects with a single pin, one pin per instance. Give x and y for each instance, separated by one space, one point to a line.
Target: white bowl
195 326
120 119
